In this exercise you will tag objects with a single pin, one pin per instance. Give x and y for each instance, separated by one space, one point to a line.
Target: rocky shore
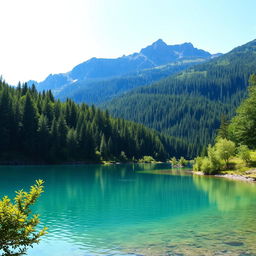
242 177
237 177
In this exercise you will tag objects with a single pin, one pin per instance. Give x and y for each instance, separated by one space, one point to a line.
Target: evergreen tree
5 120
72 143
103 148
36 128
62 132
86 144
43 142
30 124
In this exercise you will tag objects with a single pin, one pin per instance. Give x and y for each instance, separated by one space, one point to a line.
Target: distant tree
174 161
62 137
17 225
103 147
225 149
35 127
62 131
86 143
123 156
182 161
72 143
30 124
222 132
43 136
5 120
147 159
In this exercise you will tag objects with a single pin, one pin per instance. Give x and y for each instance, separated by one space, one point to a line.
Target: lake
139 209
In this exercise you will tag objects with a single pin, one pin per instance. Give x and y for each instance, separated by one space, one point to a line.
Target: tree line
36 127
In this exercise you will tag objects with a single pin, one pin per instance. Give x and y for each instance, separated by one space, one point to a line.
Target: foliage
222 132
242 129
207 166
189 105
243 126
182 161
123 157
17 225
214 158
34 127
225 149
210 164
174 161
244 154
147 159
197 166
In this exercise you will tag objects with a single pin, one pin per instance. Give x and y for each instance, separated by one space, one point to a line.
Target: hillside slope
97 91
115 76
189 105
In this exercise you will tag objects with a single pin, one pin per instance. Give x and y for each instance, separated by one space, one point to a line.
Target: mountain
99 74
99 91
160 53
189 105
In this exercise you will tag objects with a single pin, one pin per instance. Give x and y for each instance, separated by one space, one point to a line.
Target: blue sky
39 37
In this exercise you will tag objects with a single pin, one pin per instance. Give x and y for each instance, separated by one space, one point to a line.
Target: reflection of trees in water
226 194
84 200
95 205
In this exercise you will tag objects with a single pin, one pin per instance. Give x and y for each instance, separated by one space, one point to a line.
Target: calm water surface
138 210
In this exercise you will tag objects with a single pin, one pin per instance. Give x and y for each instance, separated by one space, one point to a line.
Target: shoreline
31 163
238 177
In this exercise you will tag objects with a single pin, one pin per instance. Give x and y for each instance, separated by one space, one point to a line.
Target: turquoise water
137 210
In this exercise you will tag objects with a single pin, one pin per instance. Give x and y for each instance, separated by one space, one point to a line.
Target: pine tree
62 136
86 144
72 143
103 148
30 124
5 120
43 143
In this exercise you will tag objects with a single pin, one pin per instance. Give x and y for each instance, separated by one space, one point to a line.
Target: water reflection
227 194
103 210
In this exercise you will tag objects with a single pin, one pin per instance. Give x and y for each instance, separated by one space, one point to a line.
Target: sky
42 37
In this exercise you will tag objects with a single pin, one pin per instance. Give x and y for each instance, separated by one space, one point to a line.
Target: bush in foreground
17 225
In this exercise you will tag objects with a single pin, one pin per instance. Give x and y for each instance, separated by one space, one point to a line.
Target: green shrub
198 164
225 149
182 161
214 159
147 159
17 224
206 166
244 154
174 161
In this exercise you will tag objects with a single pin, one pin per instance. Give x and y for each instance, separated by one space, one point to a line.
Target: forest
36 128
235 143
190 104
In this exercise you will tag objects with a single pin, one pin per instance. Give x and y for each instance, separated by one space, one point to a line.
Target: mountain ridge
156 54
